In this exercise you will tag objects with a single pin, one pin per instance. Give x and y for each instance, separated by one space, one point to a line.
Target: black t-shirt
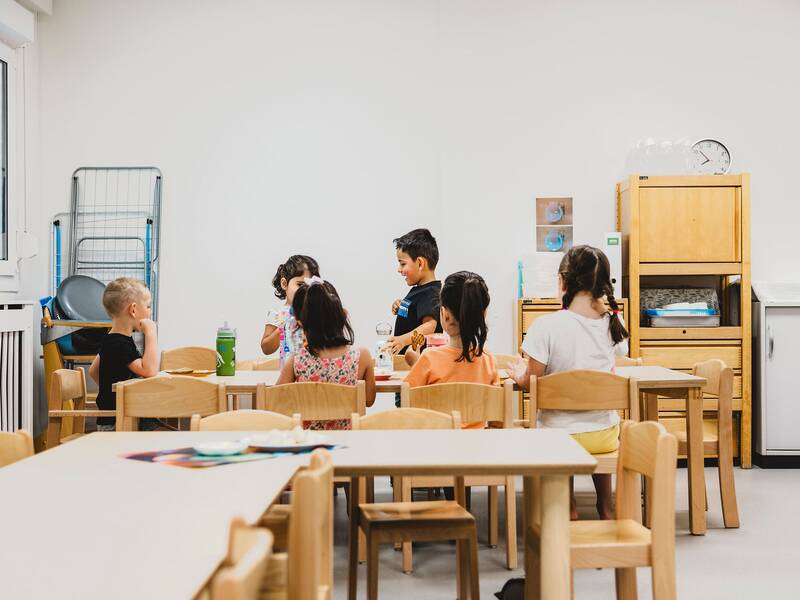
117 351
420 302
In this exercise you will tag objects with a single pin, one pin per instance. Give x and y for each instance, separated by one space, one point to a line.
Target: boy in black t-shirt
127 302
417 256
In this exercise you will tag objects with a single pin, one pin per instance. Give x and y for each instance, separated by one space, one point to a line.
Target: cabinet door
690 224
782 404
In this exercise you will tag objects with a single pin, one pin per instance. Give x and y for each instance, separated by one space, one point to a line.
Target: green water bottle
226 350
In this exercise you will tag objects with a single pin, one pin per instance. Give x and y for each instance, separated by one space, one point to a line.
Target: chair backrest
399 363
244 420
647 449
310 537
15 446
627 361
407 418
67 390
502 361
313 401
267 364
584 390
189 357
474 401
242 571
167 397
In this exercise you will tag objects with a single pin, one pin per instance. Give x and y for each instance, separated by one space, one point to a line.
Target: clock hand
704 155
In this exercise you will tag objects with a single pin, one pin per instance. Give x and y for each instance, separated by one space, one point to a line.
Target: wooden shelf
685 181
690 333
698 268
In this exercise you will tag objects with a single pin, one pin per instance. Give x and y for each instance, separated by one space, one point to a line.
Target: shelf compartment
690 333
694 268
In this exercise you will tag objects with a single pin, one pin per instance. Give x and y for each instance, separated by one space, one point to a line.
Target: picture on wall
553 224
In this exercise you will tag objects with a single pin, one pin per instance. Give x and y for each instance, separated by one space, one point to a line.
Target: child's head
127 298
290 275
586 269
464 300
417 254
318 309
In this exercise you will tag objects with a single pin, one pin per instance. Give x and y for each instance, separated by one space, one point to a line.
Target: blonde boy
127 302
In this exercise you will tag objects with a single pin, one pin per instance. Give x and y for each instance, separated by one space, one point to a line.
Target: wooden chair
267 364
405 418
191 357
586 390
68 400
627 361
167 397
646 449
399 363
15 446
717 433
313 401
305 572
242 572
408 521
244 420
475 402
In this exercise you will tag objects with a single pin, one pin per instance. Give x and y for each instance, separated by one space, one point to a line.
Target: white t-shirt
564 341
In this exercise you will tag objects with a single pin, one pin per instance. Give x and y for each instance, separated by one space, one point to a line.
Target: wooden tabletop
79 521
660 377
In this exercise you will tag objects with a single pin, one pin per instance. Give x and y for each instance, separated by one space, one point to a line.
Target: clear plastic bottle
384 362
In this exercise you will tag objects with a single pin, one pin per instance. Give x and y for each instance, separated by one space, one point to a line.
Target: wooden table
79 521
545 458
660 381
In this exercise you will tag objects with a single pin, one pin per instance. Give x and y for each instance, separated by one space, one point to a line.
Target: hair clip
313 280
614 311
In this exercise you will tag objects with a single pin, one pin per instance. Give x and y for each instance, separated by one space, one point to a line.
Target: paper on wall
540 274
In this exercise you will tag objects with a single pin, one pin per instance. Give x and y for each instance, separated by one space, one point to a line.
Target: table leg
554 556
352 580
531 515
650 414
697 479
462 550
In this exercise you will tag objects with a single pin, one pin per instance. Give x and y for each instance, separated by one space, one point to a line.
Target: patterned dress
341 369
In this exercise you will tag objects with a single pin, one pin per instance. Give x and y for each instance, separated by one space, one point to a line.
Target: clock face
710 157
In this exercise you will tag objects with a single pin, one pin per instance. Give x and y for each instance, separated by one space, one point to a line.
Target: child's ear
284 283
421 263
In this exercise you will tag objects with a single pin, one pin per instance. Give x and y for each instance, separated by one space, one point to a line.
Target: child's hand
147 326
395 343
517 368
396 306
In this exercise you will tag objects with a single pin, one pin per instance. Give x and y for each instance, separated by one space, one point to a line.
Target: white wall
329 128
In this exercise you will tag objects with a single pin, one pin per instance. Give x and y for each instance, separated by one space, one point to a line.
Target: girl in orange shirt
463 302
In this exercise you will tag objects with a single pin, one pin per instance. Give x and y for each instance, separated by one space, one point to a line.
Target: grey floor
760 560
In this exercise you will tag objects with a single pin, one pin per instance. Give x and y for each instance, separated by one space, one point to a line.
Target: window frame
8 266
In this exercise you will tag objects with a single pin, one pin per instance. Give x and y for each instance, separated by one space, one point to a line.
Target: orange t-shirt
441 365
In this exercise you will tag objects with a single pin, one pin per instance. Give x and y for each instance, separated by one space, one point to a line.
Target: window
4 220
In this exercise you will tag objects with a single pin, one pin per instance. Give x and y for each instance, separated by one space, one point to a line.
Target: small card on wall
553 224
540 274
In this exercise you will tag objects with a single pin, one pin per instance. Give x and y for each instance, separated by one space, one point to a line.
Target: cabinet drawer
685 357
690 224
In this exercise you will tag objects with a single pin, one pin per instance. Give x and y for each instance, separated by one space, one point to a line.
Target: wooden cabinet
530 309
691 231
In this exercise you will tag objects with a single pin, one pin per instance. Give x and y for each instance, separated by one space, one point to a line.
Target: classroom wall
330 128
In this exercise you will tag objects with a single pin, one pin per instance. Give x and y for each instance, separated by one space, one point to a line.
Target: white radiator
16 366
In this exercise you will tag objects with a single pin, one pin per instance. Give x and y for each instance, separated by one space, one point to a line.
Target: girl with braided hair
584 335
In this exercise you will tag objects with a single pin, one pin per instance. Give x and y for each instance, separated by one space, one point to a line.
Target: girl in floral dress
328 355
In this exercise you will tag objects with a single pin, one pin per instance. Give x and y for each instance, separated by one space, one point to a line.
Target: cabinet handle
770 342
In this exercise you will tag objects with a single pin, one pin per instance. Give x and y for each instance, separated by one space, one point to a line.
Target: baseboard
776 462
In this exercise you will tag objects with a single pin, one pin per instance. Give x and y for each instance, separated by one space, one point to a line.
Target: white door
782 350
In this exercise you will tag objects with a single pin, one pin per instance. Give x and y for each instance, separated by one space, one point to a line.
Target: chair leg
372 568
727 490
408 557
511 523
532 565
396 497
362 498
626 583
663 573
475 590
493 516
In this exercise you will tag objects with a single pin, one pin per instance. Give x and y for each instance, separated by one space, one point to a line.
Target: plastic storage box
682 317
